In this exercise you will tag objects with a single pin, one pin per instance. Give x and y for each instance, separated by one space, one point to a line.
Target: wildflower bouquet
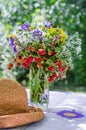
41 49
38 48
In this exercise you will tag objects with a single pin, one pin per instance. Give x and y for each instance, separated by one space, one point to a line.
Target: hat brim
15 120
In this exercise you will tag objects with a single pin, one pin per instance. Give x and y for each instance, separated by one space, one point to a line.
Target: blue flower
24 27
11 41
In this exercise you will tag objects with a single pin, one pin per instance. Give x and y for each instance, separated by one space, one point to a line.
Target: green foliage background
69 14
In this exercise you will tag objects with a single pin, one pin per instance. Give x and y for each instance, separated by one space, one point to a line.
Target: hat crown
13 97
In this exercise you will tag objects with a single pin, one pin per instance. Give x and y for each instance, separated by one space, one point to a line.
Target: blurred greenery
69 14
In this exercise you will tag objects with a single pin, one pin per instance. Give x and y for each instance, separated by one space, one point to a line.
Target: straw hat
14 109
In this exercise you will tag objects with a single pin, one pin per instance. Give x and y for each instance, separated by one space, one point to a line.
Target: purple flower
15 49
70 114
24 27
11 41
38 33
46 96
47 24
40 38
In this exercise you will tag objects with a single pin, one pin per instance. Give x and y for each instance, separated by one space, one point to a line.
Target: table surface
60 101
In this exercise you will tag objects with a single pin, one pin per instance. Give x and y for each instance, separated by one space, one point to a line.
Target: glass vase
39 89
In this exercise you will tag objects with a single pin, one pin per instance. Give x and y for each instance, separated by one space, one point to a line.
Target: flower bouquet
41 49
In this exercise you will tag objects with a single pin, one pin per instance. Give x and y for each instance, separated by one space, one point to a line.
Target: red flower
18 64
43 58
37 59
24 60
19 56
50 53
30 48
18 59
61 76
62 68
10 66
41 52
25 65
39 65
52 78
53 44
29 59
59 63
51 68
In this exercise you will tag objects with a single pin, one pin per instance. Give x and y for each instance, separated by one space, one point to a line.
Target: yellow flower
11 35
52 31
61 31
63 35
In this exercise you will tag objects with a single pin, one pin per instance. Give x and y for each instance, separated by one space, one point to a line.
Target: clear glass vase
39 89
